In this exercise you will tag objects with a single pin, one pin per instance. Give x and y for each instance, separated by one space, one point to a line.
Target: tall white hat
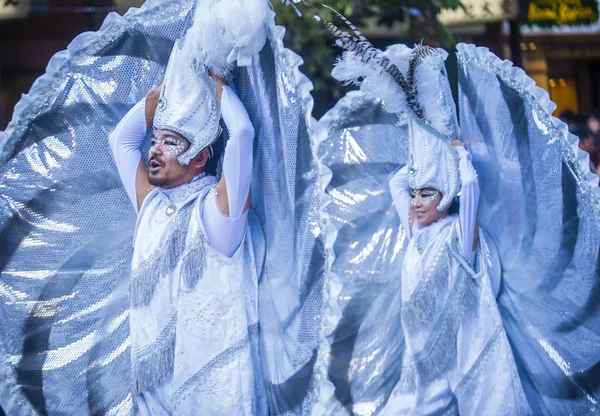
433 162
411 84
223 34
188 105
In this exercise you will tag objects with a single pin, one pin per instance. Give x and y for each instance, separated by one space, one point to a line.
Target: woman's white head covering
433 162
411 83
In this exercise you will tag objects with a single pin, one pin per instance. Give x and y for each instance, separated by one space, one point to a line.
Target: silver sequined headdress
411 85
188 105
433 161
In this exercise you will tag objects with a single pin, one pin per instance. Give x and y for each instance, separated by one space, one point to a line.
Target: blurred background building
562 49
558 44
31 31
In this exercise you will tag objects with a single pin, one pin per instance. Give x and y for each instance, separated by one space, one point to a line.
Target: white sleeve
225 233
125 142
401 196
469 200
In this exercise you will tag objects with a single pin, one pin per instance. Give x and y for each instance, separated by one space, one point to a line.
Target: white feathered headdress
223 34
227 32
412 85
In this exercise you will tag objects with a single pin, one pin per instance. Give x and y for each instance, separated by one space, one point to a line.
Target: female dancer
457 356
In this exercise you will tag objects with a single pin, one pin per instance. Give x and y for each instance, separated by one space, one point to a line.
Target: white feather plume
372 78
384 87
399 55
375 82
227 32
350 69
430 80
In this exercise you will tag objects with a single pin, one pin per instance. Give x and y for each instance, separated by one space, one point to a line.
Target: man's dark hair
455 207
213 165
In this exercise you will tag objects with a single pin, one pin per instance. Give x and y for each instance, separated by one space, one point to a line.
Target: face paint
171 145
425 195
164 169
424 203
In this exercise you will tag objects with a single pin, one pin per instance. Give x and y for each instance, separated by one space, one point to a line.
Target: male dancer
193 289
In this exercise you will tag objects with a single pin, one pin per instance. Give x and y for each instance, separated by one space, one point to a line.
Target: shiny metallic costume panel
287 199
66 224
540 206
362 150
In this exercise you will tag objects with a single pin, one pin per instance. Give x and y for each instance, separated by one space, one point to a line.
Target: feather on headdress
227 33
406 80
410 82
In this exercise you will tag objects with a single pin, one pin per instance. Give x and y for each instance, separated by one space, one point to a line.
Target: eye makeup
425 195
171 146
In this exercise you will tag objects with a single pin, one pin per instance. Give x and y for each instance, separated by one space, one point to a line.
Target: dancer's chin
158 181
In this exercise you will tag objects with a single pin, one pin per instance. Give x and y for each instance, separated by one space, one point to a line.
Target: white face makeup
426 195
424 203
164 169
171 145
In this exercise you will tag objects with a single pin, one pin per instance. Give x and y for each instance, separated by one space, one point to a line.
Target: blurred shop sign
556 13
14 9
480 11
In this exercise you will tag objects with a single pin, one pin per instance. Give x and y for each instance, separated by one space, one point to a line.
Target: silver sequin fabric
66 224
539 205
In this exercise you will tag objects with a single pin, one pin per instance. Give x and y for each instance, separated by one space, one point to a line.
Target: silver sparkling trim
153 363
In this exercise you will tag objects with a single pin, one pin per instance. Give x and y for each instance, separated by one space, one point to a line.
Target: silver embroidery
145 277
220 360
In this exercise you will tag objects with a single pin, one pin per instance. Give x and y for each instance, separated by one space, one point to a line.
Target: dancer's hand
457 143
151 104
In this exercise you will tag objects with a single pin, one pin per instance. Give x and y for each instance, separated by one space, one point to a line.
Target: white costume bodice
457 357
204 316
